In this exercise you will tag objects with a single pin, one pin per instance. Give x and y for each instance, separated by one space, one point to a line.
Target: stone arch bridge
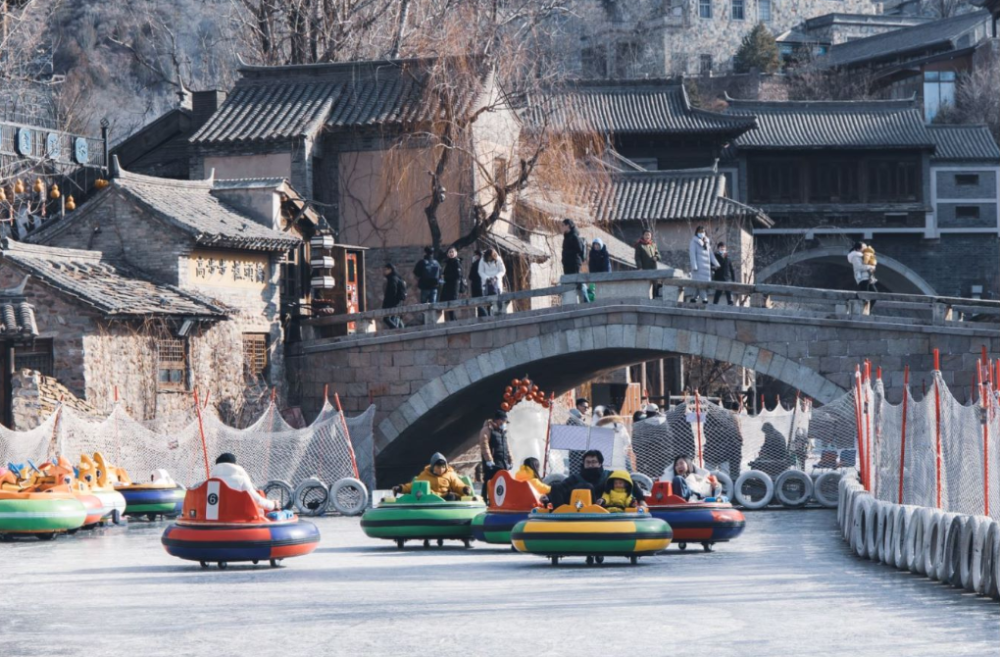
435 383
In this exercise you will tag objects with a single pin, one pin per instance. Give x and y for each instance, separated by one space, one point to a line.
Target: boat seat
214 501
663 493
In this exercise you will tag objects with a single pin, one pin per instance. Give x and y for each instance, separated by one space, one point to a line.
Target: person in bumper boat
529 472
592 477
237 478
618 492
443 479
691 481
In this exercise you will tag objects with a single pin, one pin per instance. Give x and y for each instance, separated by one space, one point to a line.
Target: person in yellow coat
618 492
442 477
529 472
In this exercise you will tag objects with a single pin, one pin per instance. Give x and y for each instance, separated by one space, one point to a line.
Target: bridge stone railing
672 288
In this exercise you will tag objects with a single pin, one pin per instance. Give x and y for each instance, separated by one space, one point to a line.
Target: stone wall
34 398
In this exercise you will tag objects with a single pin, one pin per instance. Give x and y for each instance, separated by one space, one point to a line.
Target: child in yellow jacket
529 473
618 492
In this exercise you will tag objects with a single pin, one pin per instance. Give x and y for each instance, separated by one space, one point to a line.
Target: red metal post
697 419
902 438
350 446
857 417
984 399
937 418
201 431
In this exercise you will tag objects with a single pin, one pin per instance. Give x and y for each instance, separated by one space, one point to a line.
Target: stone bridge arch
453 405
892 273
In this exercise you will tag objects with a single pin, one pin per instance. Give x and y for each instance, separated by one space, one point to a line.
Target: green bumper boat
420 515
41 514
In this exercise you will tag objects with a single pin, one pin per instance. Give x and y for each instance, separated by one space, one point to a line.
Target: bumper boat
708 522
511 501
222 526
101 486
59 474
420 515
161 496
583 529
26 509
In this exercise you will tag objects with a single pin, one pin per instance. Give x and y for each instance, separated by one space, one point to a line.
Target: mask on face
701 236
592 475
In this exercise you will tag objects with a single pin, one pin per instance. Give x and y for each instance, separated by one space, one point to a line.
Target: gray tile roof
832 124
109 286
936 36
691 195
274 103
17 316
957 143
632 107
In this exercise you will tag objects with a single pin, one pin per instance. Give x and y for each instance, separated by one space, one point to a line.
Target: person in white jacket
237 478
702 262
492 271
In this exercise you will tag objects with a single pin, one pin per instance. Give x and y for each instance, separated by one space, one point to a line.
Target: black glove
397 490
467 491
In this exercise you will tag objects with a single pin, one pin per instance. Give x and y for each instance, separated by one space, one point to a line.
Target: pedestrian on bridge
476 282
702 263
454 282
647 256
724 273
491 272
574 253
395 294
428 274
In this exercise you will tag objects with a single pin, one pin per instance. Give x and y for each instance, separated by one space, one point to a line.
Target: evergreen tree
758 51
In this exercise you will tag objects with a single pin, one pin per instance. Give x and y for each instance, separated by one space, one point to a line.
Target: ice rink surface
788 587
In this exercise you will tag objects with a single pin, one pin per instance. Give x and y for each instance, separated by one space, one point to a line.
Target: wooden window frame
167 361
256 347
775 180
893 179
38 356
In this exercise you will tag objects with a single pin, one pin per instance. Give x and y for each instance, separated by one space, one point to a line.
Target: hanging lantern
54 193
18 187
101 183
70 203
3 195
39 186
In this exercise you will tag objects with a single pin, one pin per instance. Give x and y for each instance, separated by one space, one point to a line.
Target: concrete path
788 587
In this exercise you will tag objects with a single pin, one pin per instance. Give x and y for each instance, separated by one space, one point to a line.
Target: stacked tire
962 551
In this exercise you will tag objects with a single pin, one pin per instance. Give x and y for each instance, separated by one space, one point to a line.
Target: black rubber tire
440 542
598 560
400 543
46 537
467 542
644 482
349 496
275 563
633 560
255 562
151 517
682 546
311 485
799 498
590 561
116 517
223 565
204 564
707 547
554 561
280 490
427 545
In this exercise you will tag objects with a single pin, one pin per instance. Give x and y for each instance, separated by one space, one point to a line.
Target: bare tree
977 98
811 82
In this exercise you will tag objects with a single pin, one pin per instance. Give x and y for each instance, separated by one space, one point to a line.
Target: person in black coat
724 272
592 477
476 281
600 260
395 294
574 253
454 283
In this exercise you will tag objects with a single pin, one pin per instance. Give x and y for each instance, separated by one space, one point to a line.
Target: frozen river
788 587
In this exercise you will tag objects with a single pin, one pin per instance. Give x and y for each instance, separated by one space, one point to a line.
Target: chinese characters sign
229 269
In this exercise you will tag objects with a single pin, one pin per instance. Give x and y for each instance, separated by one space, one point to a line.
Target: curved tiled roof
666 196
832 124
632 107
109 286
964 143
274 103
944 34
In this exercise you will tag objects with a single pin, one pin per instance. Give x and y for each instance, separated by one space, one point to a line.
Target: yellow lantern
70 203
55 193
18 187
39 186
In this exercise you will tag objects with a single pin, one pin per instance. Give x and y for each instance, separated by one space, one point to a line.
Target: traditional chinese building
156 287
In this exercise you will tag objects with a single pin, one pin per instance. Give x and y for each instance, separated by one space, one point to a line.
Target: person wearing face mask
592 477
724 272
454 283
494 449
702 262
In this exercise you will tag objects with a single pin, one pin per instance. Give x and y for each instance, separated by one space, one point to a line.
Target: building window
893 180
255 351
739 12
171 366
595 62
967 212
775 181
834 181
627 60
705 8
764 6
705 65
939 90
967 179
36 356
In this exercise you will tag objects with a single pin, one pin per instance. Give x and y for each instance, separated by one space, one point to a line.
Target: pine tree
758 51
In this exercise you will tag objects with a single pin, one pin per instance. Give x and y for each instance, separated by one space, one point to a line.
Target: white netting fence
331 448
932 450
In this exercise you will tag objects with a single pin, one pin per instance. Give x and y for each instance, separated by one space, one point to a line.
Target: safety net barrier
930 449
333 447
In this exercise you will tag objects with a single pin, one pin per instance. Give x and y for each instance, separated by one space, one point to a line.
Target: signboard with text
228 269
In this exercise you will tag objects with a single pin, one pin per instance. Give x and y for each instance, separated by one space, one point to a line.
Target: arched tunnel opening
452 426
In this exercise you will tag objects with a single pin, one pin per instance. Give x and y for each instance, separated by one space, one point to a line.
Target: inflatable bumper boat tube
152 501
707 523
44 514
221 525
511 501
422 516
584 530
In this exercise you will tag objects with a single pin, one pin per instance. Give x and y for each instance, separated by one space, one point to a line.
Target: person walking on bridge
428 275
574 254
724 273
647 256
395 294
702 263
